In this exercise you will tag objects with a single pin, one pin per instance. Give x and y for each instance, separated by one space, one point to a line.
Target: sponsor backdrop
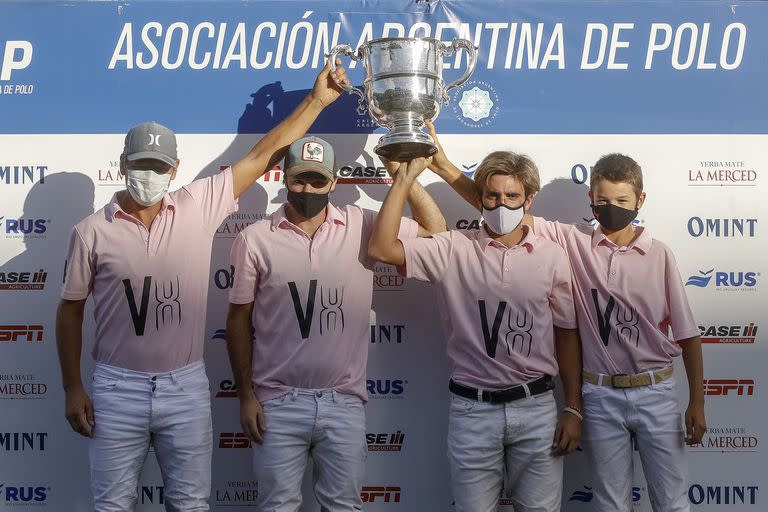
678 86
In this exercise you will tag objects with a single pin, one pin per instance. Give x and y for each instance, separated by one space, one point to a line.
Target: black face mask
612 217
307 204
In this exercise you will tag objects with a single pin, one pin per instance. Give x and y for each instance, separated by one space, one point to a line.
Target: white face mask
503 219
147 187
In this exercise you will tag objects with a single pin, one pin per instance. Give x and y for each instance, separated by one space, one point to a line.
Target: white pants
174 410
511 444
651 413
329 426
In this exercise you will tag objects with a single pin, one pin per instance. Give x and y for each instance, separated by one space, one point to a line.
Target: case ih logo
23 280
234 440
724 387
385 442
373 494
728 333
13 333
227 389
360 175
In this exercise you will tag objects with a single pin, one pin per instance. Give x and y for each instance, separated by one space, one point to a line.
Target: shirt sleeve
561 298
79 269
680 316
551 230
427 259
245 274
215 197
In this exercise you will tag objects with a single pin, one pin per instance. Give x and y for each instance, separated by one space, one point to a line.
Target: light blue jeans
174 409
329 426
652 414
509 446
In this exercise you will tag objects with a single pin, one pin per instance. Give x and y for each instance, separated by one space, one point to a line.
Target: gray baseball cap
311 154
151 140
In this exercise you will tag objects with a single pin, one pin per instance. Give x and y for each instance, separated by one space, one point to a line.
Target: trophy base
401 148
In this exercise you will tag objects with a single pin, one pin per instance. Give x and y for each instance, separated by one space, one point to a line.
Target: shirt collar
113 208
529 241
332 216
642 243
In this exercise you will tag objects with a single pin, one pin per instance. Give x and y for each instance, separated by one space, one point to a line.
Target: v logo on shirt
626 320
167 309
519 327
331 312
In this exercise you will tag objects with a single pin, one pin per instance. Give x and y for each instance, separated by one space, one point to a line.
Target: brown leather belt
622 380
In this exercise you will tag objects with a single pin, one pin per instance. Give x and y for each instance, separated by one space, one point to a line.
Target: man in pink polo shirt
145 259
505 302
633 318
304 280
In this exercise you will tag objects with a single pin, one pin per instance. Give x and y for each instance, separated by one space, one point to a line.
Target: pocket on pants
351 402
460 405
194 384
105 384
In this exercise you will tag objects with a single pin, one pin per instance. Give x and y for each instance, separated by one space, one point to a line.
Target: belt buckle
621 380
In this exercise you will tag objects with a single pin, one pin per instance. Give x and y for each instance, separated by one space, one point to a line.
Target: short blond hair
520 167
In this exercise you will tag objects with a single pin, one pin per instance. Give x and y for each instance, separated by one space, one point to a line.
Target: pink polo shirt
497 304
628 299
312 300
149 288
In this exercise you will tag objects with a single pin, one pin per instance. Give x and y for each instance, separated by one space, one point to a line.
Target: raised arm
425 211
384 245
271 148
463 185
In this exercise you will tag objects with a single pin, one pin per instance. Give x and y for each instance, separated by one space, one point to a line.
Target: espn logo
12 333
234 440
723 387
387 494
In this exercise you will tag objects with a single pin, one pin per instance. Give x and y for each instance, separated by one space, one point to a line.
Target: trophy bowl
404 87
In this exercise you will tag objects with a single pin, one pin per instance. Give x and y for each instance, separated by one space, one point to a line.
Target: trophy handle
459 44
345 49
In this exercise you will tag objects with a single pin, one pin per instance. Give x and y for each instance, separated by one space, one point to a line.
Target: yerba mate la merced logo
476 104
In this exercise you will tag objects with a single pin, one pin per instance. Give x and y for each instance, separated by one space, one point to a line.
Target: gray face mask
502 219
147 187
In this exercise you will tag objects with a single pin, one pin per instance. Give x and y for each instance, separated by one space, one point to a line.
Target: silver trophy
404 87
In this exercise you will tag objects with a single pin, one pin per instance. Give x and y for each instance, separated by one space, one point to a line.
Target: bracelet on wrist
575 411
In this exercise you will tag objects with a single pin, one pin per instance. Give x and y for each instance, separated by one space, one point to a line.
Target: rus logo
20 495
378 388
